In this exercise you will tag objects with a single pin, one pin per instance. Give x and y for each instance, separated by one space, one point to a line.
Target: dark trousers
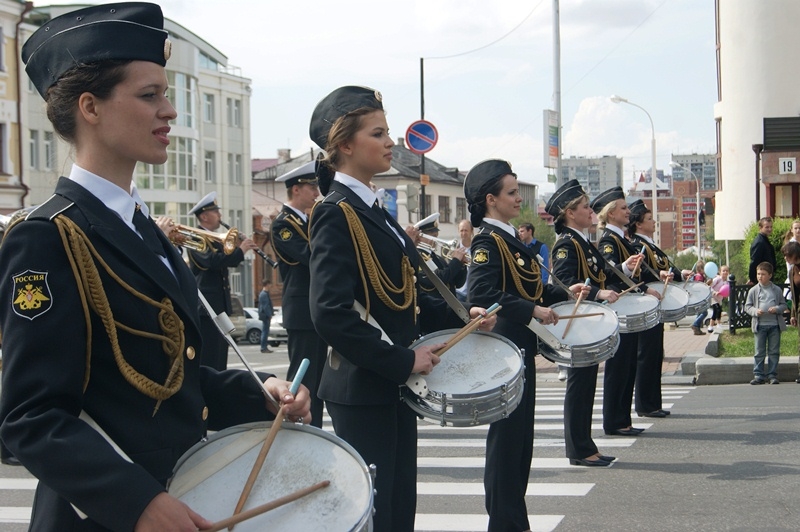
384 435
509 451
618 381
578 408
215 347
649 357
305 343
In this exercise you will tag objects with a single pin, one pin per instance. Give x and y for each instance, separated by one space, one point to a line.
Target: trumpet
272 262
443 247
200 240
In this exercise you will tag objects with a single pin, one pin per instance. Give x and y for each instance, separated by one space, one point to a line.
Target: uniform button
417 309
190 353
415 279
205 413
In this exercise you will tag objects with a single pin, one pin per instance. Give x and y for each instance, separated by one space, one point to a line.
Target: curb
710 370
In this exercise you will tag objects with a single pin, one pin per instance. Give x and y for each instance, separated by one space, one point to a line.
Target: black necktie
145 228
377 208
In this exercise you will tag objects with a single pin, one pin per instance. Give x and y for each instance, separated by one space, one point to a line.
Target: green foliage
780 226
742 344
542 231
685 261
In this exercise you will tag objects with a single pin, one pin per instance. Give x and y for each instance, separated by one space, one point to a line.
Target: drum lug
503 400
442 422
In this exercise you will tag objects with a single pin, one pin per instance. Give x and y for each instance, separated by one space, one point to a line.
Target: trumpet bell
200 240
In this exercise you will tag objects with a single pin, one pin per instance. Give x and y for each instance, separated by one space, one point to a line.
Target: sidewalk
678 342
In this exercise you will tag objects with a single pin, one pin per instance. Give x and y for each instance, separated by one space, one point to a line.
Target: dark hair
528 227
764 220
791 249
477 209
766 266
98 78
636 218
343 129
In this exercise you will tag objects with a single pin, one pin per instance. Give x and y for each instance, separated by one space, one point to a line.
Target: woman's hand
580 289
545 315
654 293
296 407
633 261
165 513
486 324
608 295
666 275
425 359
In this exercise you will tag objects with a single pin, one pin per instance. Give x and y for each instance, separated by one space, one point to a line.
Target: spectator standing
761 249
265 313
765 303
527 233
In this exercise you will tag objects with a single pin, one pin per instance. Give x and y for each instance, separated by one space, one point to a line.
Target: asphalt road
727 459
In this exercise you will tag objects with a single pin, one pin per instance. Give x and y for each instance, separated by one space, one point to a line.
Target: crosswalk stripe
477 522
477 462
537 443
15 514
537 426
535 489
18 483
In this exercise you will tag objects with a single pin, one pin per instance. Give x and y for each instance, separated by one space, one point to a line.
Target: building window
2 50
234 169
181 94
208 108
210 159
461 209
444 209
178 173
234 108
49 150
34 149
428 202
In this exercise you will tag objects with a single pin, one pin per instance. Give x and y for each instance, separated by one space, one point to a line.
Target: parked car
238 319
277 334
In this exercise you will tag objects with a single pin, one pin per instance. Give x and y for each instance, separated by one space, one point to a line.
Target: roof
406 163
259 165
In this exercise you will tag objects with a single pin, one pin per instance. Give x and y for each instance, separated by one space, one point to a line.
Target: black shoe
11 460
624 432
758 381
774 380
267 350
589 463
654 413
607 458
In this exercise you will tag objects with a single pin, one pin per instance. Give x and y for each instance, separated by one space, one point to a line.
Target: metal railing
737 297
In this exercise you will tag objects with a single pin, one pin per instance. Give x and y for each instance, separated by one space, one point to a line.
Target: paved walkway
678 342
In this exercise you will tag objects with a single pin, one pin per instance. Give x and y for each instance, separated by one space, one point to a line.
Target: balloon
725 290
711 269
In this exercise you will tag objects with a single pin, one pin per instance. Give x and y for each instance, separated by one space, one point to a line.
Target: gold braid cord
370 268
652 258
519 273
583 267
80 252
623 252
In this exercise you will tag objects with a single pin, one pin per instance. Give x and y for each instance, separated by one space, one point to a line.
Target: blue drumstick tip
301 371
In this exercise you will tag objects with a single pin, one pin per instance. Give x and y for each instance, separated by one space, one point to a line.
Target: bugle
442 247
200 240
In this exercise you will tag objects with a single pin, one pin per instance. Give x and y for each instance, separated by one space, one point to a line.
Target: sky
488 68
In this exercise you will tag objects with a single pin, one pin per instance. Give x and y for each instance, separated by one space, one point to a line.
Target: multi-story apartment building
595 174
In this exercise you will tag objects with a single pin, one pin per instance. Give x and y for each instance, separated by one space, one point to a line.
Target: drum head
478 363
210 476
633 304
674 298
584 331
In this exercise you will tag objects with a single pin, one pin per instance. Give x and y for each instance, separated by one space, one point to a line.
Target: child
765 303
716 308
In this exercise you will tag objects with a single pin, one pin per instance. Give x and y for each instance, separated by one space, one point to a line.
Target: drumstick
574 310
686 281
634 287
639 263
576 316
264 508
468 328
664 290
273 432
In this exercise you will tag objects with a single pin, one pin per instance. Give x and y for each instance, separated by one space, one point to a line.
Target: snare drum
636 312
478 381
674 301
210 476
699 297
589 340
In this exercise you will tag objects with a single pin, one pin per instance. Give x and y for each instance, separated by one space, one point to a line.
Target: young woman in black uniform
99 311
360 256
504 270
620 371
574 260
650 352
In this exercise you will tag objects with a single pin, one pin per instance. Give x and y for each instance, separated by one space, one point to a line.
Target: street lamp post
653 173
698 241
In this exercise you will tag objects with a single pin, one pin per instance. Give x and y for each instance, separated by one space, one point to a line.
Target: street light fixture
653 174
697 214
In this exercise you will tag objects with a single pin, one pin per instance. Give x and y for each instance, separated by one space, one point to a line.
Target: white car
277 334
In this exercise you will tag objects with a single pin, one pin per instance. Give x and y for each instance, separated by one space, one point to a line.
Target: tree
543 232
